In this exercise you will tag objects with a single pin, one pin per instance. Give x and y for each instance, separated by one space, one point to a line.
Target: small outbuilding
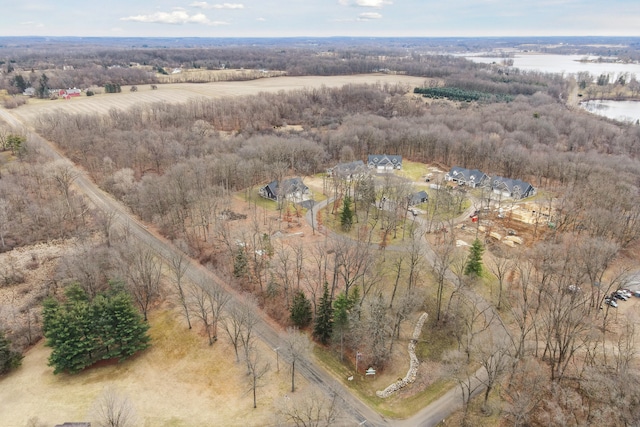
418 197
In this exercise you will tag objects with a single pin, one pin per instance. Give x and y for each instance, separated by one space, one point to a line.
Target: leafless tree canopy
112 409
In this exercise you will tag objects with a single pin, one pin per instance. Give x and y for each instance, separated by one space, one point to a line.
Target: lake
624 111
562 64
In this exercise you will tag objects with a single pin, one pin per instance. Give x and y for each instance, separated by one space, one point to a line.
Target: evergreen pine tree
301 310
129 330
474 263
9 358
324 318
240 263
346 217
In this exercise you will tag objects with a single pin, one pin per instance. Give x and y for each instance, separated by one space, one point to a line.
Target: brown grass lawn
179 381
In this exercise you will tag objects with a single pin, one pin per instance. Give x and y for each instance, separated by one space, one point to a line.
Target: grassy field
182 92
180 381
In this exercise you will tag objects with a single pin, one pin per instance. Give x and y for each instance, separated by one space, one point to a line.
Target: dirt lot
181 92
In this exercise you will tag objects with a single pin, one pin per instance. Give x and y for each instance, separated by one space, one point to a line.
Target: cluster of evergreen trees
332 316
458 94
83 331
112 88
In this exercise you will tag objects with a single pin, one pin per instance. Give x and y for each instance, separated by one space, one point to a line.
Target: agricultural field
182 92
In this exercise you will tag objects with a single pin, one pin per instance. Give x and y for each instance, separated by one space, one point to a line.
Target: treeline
97 67
457 94
85 77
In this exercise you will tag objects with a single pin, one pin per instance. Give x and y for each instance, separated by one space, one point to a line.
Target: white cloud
178 17
368 16
261 19
377 4
32 24
205 5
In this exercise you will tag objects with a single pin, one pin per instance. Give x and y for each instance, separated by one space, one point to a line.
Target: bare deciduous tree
500 265
257 369
238 322
63 174
296 345
179 264
112 409
310 410
198 299
444 252
143 269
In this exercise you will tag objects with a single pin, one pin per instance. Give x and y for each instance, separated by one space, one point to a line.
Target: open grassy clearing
179 381
414 171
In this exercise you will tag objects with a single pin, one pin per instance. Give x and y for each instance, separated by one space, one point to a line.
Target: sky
319 18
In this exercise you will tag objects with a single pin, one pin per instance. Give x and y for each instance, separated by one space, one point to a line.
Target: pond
622 111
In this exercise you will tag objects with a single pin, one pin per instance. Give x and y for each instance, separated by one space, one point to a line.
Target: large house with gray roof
384 162
292 188
351 170
470 177
513 188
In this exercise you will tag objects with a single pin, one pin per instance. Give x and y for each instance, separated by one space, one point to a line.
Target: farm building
384 162
69 92
470 177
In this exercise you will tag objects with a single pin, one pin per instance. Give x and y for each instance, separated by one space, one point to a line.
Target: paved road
356 412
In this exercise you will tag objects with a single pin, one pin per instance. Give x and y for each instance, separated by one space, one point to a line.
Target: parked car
625 292
636 293
620 295
611 302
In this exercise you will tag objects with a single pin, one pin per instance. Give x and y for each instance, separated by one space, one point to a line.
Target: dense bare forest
552 355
